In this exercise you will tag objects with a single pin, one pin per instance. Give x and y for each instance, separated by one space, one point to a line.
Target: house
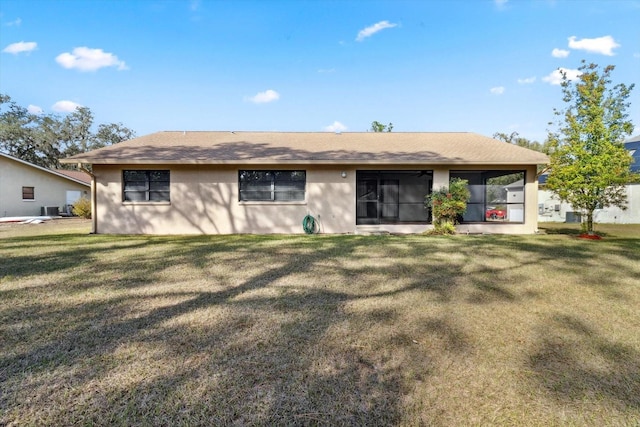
30 190
551 209
633 145
268 182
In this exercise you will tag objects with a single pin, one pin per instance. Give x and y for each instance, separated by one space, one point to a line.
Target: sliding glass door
388 197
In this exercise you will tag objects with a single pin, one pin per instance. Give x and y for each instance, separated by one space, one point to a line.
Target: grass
318 330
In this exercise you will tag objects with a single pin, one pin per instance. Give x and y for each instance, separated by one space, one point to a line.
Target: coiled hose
309 225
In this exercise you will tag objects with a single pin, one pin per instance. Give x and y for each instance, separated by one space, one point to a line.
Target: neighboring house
76 175
267 182
633 145
26 188
551 209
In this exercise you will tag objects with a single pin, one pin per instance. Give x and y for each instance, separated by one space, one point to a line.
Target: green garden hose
309 224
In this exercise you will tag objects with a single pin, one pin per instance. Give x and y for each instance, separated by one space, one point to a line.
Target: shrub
442 228
447 205
82 208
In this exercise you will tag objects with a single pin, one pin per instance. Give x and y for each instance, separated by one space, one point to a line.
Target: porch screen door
389 199
367 200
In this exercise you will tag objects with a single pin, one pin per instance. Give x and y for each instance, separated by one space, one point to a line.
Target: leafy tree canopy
376 126
589 164
43 139
516 139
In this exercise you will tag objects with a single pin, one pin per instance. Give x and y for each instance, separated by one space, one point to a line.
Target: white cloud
19 47
34 109
15 23
335 127
498 90
527 80
602 45
371 30
559 53
269 95
500 3
86 59
65 106
555 78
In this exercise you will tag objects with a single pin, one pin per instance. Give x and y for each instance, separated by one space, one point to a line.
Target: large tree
589 164
43 139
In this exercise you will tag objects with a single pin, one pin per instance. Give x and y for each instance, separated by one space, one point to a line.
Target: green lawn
319 330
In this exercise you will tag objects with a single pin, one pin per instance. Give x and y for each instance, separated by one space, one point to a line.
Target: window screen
257 185
146 186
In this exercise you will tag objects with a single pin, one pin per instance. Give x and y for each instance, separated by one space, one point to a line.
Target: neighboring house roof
83 181
75 174
271 148
515 185
633 145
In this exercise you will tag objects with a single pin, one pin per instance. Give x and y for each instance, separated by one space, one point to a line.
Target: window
272 186
145 186
28 193
496 195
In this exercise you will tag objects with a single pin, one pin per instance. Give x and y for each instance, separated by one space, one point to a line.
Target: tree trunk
590 222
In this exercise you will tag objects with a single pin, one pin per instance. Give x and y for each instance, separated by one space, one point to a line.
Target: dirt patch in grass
317 330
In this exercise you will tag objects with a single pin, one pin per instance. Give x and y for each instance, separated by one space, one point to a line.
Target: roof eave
299 162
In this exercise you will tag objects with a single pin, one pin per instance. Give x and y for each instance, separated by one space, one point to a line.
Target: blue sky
475 65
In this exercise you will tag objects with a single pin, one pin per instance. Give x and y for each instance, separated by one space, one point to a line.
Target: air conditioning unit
50 211
573 217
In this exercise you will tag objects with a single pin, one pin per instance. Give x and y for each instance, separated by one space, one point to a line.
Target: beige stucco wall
204 200
49 189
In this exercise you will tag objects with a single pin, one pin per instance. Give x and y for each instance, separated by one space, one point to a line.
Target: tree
24 135
42 139
376 126
516 139
110 134
589 165
76 136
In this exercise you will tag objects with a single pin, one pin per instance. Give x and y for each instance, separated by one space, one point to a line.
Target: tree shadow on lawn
567 231
247 368
573 363
240 372
258 385
289 374
593 262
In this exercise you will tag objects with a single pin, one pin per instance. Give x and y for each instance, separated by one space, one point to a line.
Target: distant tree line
516 139
43 139
376 126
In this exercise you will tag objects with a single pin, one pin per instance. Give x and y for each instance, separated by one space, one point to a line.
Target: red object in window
495 214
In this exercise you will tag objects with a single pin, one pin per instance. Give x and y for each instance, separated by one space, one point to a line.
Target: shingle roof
311 148
77 175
